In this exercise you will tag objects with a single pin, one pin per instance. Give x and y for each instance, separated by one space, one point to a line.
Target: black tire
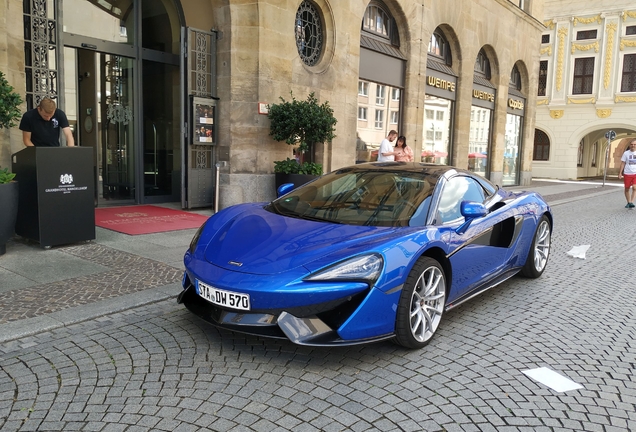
539 250
421 304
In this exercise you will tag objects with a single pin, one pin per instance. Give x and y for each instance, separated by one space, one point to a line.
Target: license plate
223 298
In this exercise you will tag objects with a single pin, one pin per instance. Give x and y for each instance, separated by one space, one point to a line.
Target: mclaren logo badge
235 263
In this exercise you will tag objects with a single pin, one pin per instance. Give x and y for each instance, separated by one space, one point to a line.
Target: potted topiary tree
302 124
9 114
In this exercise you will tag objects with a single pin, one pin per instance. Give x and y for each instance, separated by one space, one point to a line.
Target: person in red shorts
627 172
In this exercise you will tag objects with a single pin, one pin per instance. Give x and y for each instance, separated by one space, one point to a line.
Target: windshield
355 197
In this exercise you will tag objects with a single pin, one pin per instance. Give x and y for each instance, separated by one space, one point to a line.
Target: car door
475 255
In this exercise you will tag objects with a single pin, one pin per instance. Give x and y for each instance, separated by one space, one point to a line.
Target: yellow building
167 90
587 88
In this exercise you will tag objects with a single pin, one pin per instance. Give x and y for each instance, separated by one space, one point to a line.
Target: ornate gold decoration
563 31
625 99
581 101
627 43
604 113
590 20
630 14
543 102
582 47
546 50
556 114
549 24
609 50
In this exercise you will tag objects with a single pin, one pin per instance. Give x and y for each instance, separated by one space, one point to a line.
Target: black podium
56 194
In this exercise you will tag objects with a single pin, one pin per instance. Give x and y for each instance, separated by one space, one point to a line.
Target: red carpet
146 219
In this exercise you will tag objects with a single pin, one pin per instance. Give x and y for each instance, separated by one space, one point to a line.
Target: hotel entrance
123 95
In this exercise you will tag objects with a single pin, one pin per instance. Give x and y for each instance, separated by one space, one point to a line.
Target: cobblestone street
158 367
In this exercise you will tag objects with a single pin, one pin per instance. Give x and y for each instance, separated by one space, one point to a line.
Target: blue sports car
365 253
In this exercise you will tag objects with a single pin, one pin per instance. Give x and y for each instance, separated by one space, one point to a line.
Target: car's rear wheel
421 304
539 251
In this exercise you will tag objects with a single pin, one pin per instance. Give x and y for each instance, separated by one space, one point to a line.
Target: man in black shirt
41 126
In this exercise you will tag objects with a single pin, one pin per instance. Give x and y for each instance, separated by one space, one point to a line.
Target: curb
63 318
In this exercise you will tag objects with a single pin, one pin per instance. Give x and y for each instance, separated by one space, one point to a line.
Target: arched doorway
481 116
381 81
439 101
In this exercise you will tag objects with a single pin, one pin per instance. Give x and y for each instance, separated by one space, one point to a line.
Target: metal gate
199 160
41 50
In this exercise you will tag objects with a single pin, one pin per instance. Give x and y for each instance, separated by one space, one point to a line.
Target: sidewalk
557 192
44 289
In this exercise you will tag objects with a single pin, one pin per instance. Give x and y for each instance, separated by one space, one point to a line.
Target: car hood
257 241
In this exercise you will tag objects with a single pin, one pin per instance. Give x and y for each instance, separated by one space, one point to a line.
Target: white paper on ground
550 378
578 251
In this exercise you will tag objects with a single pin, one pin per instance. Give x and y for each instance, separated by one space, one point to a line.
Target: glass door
123 79
512 150
161 137
116 114
99 101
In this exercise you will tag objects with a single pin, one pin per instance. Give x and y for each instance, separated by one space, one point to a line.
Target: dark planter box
296 179
8 213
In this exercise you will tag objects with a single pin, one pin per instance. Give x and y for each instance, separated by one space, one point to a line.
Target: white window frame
379 119
362 113
594 78
363 88
380 92
621 64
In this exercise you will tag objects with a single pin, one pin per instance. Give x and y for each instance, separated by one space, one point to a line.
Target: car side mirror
470 210
284 188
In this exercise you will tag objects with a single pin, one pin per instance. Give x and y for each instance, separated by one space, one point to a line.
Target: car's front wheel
539 251
421 304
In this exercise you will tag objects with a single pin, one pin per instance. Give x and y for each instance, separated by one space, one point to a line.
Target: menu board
203 121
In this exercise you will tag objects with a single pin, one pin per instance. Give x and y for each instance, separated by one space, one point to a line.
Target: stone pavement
42 289
46 289
158 367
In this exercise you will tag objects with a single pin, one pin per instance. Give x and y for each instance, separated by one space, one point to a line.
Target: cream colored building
127 72
587 88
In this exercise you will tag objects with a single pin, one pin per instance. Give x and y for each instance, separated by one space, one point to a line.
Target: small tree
9 104
302 123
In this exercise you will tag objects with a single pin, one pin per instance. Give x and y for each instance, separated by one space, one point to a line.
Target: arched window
541 150
515 78
438 47
380 81
482 65
378 22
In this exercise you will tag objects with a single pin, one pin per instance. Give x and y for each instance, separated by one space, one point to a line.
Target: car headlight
364 267
197 236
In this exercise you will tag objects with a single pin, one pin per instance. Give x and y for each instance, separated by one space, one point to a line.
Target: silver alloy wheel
427 303
542 246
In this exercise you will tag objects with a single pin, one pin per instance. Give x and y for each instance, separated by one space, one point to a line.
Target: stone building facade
587 88
457 78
